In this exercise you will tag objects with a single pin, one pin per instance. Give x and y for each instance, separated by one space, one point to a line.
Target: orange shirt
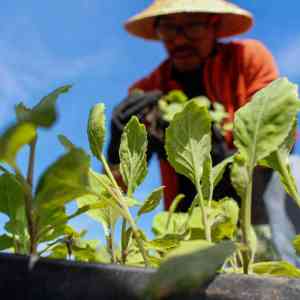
231 76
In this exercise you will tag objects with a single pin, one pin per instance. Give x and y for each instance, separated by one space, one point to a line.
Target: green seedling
202 241
38 216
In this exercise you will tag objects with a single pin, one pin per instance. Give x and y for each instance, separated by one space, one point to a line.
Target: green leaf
131 202
281 164
218 114
203 101
223 231
102 255
109 213
287 145
133 162
72 242
283 151
12 204
175 203
173 207
169 111
261 126
105 214
65 142
85 250
279 161
196 269
44 113
176 96
188 140
164 243
225 219
51 223
59 220
188 247
239 175
60 251
6 242
88 207
230 209
162 224
152 201
276 268
171 104
13 139
96 129
12 201
22 112
65 180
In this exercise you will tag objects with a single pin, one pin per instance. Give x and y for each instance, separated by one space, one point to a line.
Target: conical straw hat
235 20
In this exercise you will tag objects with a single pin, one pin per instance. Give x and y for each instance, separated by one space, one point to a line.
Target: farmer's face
188 38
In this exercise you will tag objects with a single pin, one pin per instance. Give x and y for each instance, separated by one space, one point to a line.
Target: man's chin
186 65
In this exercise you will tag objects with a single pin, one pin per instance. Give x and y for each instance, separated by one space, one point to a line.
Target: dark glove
144 106
139 104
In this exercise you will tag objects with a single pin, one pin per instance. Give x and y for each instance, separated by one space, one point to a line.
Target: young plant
133 168
174 102
37 216
263 136
188 147
264 132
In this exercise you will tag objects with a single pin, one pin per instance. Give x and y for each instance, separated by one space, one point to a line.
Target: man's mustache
182 49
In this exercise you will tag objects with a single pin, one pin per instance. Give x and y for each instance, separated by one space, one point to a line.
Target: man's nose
180 39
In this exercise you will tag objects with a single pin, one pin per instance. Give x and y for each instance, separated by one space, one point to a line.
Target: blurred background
46 44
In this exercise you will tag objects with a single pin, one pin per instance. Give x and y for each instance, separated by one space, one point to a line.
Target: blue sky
46 44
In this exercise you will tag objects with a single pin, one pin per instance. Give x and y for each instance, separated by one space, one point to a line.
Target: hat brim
234 20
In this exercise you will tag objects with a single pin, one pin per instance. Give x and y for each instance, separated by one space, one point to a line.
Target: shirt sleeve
259 66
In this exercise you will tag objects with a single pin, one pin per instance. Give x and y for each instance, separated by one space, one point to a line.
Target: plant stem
108 172
16 246
136 234
173 208
110 245
33 242
203 213
123 244
28 197
31 161
235 263
29 211
246 224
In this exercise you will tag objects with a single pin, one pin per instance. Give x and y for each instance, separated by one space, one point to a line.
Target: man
197 64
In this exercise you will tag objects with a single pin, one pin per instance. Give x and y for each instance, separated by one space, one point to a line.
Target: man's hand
138 103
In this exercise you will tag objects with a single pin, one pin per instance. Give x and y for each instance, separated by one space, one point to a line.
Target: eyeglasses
193 31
